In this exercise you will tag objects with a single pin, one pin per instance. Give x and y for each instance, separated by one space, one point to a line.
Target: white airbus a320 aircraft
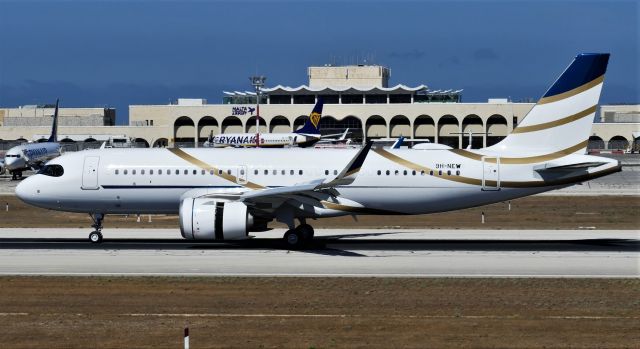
223 194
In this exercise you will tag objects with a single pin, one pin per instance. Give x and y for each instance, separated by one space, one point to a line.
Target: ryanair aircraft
307 136
33 155
224 194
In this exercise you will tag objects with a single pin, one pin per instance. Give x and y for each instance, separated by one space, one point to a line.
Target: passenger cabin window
159 172
117 171
52 170
177 172
150 172
300 172
125 172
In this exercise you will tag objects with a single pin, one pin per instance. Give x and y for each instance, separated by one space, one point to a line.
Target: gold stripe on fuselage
551 124
203 165
575 91
522 160
506 184
419 168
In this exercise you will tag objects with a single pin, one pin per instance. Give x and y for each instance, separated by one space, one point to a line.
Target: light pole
258 83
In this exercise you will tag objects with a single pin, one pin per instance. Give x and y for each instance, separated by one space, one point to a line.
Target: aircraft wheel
307 231
95 237
293 239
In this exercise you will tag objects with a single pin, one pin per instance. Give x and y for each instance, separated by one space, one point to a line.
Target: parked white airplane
224 194
33 155
306 136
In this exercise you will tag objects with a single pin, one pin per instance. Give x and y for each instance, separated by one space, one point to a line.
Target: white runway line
290 275
263 315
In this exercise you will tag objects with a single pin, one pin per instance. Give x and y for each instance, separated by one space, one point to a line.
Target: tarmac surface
334 252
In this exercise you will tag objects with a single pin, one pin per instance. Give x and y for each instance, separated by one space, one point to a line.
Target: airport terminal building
356 97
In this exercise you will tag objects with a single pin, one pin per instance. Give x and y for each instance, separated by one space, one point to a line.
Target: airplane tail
312 125
561 121
54 127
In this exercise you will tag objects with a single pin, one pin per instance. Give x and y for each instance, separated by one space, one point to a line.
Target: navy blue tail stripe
585 68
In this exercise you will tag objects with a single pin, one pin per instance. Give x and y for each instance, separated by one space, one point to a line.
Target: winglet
348 174
398 143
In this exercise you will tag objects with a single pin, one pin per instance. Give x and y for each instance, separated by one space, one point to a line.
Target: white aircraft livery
306 136
224 194
33 155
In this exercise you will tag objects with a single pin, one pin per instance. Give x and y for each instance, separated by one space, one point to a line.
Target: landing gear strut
298 237
16 175
96 235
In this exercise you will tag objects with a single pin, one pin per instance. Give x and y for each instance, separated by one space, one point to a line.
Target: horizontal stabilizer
570 167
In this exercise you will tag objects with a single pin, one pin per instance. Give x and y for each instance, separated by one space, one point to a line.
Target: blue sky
116 53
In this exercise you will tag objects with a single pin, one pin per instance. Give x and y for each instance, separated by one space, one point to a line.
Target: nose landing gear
96 235
15 175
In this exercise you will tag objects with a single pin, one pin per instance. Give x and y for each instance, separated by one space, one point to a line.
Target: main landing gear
96 235
298 237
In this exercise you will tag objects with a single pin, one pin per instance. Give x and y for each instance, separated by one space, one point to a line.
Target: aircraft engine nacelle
207 219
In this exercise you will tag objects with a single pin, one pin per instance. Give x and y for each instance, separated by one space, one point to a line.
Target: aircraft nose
25 190
8 162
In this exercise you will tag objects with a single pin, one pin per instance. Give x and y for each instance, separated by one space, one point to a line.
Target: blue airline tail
312 125
54 127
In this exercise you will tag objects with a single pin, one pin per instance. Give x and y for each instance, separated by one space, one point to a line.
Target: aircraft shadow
334 245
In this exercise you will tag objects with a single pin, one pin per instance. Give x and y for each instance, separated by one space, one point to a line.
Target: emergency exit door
90 173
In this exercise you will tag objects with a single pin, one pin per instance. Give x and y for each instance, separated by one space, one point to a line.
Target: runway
341 253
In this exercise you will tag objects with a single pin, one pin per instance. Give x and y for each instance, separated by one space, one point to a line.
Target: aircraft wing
346 176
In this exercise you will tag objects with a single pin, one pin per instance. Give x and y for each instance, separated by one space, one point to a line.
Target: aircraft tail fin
54 127
561 121
312 125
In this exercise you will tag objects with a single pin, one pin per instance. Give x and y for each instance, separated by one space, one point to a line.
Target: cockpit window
52 170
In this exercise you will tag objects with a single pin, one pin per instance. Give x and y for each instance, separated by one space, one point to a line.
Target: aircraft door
242 175
90 173
490 173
